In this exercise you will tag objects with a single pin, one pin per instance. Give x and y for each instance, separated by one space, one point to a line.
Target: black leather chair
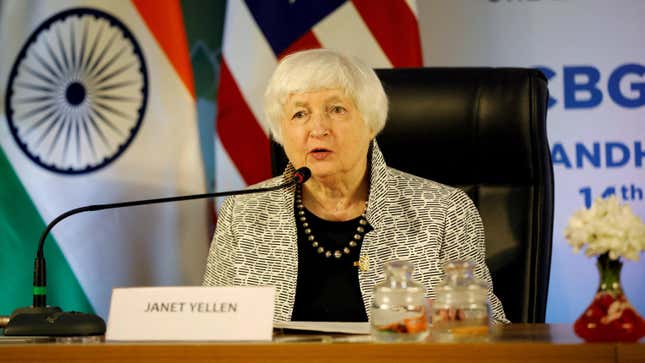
483 130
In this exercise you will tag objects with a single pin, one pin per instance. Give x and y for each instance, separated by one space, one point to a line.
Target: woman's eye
338 109
298 115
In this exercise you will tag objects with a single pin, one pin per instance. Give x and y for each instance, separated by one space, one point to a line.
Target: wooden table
515 343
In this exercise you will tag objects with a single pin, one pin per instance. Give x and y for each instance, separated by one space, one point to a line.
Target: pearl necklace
360 231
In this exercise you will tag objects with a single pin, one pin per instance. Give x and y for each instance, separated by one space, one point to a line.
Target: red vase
610 317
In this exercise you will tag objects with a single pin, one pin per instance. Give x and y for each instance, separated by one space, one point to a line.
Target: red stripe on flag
307 41
241 135
395 28
166 23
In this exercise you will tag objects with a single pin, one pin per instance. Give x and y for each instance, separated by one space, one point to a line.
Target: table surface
513 343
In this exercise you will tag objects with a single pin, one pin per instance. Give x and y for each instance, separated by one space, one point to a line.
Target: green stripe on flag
20 229
204 23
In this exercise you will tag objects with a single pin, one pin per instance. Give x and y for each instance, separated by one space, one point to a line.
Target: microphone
41 319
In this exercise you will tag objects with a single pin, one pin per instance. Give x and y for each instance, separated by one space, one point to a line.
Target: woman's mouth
320 153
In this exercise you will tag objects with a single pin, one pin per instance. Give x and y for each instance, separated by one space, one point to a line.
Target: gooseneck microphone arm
40 282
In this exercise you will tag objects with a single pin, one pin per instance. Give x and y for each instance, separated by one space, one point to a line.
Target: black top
328 288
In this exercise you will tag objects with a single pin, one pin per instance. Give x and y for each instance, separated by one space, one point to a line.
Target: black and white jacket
414 219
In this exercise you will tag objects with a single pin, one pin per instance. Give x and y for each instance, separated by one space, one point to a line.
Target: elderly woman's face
324 131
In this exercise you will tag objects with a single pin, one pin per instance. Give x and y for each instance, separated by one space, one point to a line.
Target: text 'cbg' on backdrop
591 51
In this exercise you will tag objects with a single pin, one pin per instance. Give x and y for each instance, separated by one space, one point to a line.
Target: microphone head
302 175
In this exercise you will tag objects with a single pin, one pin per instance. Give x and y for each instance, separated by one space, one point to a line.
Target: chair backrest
483 130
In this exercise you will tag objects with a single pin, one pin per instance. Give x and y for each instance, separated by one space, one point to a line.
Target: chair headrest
464 126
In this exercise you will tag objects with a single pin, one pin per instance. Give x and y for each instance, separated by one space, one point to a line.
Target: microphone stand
40 319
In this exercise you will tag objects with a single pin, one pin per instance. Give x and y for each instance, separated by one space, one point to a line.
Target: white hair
318 69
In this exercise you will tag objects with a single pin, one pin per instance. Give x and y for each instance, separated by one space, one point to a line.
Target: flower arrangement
609 231
607 227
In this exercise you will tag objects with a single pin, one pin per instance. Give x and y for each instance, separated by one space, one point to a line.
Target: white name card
191 313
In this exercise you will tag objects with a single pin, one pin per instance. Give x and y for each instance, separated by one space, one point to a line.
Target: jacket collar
380 180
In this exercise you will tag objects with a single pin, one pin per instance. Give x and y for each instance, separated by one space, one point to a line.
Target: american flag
258 33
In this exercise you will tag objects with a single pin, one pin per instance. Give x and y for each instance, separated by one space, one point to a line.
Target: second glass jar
460 311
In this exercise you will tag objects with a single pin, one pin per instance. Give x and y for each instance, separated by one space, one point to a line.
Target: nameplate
191 313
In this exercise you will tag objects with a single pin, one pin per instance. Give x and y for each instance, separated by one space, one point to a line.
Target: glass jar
399 306
460 311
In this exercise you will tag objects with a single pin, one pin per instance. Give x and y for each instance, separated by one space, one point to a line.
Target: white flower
609 227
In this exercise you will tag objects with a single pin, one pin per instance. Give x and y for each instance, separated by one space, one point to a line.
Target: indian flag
97 107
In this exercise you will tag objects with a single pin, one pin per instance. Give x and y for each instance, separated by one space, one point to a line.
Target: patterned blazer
415 219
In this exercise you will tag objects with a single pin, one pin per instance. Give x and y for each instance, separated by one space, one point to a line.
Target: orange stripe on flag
165 21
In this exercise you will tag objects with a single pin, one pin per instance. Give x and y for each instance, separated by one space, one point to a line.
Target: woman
322 245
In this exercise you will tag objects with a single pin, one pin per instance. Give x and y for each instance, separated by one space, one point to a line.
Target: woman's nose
319 132
319 124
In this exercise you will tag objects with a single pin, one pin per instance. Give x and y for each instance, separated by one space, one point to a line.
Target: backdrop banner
591 51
